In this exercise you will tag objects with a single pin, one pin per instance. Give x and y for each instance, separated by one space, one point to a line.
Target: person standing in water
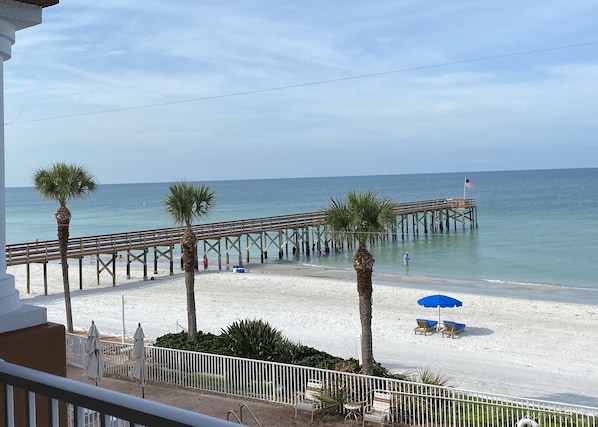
406 258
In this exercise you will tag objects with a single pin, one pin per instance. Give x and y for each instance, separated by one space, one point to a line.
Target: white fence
414 404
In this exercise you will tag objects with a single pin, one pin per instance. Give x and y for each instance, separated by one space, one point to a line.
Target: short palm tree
63 182
186 202
360 217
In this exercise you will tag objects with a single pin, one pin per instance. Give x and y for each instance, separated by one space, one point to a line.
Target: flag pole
463 213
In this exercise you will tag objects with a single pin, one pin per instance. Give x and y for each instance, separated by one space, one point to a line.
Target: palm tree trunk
363 262
63 218
188 243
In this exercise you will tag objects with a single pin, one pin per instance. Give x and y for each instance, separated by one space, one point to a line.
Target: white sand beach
512 346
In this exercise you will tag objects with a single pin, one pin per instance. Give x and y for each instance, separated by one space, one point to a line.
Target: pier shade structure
297 234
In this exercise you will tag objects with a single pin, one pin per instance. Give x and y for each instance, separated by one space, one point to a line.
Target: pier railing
80 247
434 205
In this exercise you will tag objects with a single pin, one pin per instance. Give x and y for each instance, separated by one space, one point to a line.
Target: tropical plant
360 217
331 399
428 400
63 182
430 376
256 339
185 203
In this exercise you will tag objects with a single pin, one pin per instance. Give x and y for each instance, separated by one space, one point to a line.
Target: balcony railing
86 405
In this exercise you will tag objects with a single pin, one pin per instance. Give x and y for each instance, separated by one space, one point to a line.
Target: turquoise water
536 227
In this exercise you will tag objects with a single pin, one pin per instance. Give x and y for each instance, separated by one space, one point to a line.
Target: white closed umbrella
94 367
138 372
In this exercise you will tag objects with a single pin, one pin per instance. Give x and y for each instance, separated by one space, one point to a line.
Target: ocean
536 227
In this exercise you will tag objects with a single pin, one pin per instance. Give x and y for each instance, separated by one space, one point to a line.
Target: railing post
31 419
28 279
10 406
81 273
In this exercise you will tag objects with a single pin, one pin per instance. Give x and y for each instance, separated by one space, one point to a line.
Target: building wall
42 348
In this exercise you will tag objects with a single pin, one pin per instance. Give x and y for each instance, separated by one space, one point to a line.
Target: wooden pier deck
299 230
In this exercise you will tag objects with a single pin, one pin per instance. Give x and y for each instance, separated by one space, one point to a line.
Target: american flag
468 183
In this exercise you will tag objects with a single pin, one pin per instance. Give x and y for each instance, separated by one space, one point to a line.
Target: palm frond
360 215
429 376
62 182
186 202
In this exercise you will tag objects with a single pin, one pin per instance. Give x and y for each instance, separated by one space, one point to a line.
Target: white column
13 315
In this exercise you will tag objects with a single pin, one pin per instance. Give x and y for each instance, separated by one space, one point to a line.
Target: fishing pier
304 233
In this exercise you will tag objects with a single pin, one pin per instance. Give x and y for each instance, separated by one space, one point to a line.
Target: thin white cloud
111 55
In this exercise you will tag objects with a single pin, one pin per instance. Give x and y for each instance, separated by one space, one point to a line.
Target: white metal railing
414 403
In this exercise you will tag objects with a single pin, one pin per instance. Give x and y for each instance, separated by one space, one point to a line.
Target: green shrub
256 339
309 356
206 343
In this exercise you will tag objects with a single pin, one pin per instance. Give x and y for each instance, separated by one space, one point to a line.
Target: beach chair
424 326
452 328
378 411
308 400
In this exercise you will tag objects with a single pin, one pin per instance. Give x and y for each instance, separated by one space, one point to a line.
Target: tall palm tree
184 203
63 182
359 217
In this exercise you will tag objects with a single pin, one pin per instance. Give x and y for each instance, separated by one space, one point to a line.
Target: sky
209 90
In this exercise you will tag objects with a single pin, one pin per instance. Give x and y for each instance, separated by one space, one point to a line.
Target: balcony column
26 337
14 315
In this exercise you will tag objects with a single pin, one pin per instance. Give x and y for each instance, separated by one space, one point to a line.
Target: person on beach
406 258
205 262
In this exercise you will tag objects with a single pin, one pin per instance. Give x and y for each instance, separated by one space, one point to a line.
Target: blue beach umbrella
440 301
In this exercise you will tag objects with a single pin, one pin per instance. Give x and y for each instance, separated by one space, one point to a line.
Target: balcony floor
215 406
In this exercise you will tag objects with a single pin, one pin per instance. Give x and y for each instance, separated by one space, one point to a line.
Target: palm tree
360 217
63 182
186 202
